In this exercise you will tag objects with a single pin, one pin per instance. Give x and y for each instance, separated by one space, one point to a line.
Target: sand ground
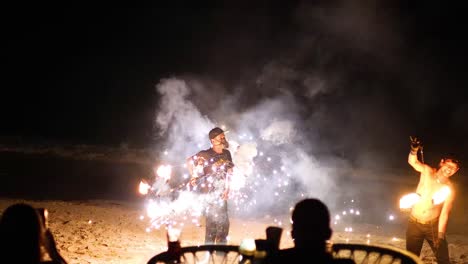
104 231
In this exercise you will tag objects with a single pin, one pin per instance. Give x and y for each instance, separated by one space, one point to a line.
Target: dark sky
87 73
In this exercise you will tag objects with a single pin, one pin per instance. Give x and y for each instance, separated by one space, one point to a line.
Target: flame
164 171
441 195
247 246
408 200
173 233
144 187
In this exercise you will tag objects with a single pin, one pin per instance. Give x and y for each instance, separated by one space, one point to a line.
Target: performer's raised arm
413 155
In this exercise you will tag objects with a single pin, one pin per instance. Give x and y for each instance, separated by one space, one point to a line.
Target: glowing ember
409 200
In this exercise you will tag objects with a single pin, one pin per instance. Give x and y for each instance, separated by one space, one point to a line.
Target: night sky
372 73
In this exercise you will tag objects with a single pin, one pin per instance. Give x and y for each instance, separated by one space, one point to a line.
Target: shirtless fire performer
429 215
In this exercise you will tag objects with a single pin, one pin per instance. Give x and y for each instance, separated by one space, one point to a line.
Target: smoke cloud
272 154
303 122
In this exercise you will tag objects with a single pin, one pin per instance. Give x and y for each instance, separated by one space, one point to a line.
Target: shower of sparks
181 205
347 217
344 219
255 171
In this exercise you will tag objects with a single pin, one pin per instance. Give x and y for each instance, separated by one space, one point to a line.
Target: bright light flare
164 171
237 180
187 208
173 233
409 200
144 187
157 209
247 246
441 195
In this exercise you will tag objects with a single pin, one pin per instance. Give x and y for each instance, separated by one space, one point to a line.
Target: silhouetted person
24 237
311 231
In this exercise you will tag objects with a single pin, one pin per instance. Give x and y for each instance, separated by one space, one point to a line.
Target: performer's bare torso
428 185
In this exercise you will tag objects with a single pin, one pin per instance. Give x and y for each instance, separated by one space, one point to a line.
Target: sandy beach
97 215
104 232
343 101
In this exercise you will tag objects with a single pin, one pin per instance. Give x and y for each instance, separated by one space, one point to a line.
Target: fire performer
210 170
429 215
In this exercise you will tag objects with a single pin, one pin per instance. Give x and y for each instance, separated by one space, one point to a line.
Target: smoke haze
318 106
319 97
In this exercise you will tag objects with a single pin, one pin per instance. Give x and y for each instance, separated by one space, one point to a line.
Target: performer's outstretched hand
415 143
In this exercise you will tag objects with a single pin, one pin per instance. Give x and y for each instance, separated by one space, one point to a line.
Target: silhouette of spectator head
22 231
311 224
